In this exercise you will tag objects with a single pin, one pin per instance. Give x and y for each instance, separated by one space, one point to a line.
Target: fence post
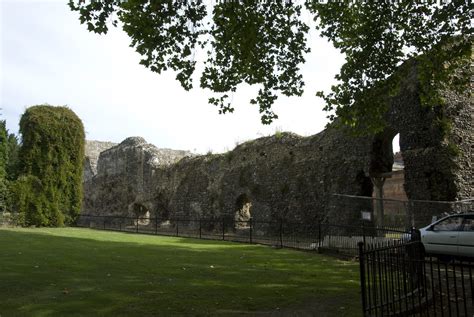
104 222
120 224
200 228
156 223
281 232
223 228
177 227
137 224
251 228
362 276
320 241
418 256
363 232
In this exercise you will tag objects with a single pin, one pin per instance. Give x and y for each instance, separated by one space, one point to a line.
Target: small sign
366 215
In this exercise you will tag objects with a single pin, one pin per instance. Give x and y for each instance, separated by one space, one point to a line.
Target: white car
451 235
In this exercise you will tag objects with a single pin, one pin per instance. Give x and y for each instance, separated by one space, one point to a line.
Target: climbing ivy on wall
48 191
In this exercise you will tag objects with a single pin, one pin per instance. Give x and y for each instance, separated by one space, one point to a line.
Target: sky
47 56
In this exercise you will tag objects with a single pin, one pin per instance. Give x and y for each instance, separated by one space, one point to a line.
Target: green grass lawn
82 272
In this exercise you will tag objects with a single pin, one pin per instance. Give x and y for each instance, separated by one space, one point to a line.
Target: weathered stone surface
436 144
92 150
280 176
125 174
293 177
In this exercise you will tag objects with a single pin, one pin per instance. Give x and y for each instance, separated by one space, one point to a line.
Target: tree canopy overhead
264 43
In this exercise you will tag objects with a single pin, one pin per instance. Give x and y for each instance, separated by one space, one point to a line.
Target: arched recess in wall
364 204
243 212
381 156
141 213
387 175
160 208
394 188
163 214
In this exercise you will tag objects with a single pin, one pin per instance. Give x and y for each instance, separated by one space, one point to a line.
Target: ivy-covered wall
48 191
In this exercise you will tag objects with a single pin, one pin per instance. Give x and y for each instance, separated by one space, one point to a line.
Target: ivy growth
48 191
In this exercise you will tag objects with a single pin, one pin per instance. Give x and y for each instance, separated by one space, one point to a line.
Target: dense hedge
48 191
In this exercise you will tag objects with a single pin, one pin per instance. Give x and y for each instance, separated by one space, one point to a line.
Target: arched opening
163 216
243 212
393 188
387 176
141 213
381 159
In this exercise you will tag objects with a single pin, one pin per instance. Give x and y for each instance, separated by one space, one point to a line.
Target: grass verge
83 272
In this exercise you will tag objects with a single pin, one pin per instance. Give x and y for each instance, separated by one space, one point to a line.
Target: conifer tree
3 165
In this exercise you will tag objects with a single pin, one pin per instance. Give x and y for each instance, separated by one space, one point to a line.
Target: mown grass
82 272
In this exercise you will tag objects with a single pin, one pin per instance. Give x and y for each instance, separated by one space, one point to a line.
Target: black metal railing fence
398 279
396 212
342 239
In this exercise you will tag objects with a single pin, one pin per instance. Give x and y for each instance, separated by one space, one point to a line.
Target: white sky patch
48 57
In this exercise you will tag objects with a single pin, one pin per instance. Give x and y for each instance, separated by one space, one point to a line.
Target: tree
3 165
8 164
264 43
12 164
3 149
48 191
377 37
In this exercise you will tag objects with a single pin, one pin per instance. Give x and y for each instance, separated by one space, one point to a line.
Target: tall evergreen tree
48 191
3 149
3 165
12 163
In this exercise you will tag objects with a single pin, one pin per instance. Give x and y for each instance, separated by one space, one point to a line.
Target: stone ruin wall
289 176
282 176
436 144
93 150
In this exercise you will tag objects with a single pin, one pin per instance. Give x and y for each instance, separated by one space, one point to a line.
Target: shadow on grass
81 272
